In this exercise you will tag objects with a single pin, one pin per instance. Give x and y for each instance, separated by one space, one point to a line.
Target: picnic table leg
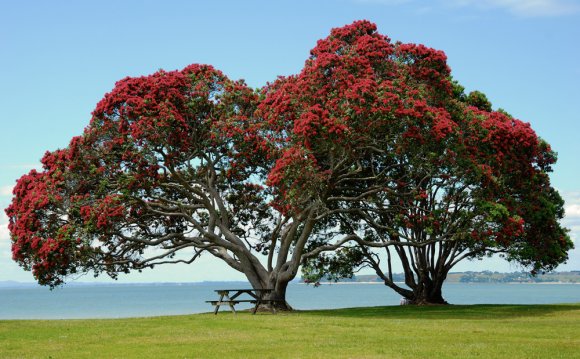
256 306
217 305
231 304
228 299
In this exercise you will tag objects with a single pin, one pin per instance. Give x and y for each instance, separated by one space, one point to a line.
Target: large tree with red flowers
167 170
437 177
172 166
370 147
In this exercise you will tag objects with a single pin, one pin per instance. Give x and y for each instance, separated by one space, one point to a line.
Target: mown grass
484 331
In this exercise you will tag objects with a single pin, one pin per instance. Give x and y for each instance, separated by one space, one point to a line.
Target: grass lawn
484 331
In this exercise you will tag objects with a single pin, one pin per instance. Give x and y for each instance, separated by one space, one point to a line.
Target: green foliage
458 90
341 264
496 212
479 100
501 110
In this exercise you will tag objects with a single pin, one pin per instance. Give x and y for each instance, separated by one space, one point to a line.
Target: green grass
484 331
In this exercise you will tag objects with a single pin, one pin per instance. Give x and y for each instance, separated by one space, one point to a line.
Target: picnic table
232 297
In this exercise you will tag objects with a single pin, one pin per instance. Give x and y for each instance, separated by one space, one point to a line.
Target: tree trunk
428 292
423 293
278 297
278 294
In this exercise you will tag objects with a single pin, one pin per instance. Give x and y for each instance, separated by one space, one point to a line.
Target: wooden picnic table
231 297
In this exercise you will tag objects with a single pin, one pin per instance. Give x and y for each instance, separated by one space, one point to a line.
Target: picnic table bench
256 297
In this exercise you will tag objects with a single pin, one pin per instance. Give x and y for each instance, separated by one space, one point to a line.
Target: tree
172 166
370 146
434 181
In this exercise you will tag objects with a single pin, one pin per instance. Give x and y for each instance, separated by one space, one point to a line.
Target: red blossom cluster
42 238
355 84
104 213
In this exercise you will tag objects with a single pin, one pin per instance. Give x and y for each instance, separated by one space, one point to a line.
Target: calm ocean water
117 301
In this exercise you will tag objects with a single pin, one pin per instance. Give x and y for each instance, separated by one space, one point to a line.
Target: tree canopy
442 177
371 147
172 166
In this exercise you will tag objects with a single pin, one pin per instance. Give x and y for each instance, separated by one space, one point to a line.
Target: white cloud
521 8
573 211
571 208
4 235
572 222
5 243
527 8
3 218
6 191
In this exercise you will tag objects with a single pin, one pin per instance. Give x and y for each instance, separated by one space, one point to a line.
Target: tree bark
276 299
428 292
278 296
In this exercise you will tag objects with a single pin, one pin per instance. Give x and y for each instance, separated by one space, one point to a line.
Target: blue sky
58 59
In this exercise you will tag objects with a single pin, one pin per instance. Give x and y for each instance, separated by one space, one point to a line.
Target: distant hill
516 277
13 283
482 277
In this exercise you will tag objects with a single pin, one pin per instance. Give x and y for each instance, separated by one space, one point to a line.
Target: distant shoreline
381 283
469 277
564 277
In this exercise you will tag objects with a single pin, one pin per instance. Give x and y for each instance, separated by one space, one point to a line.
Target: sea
159 299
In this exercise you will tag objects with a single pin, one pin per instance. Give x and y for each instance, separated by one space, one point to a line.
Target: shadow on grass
480 311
